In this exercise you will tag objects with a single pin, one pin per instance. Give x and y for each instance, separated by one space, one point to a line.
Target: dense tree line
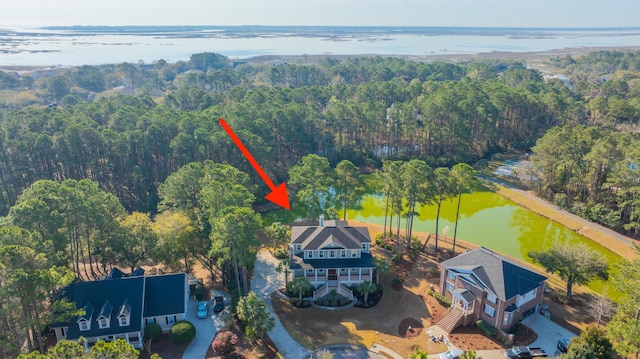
363 110
593 172
59 232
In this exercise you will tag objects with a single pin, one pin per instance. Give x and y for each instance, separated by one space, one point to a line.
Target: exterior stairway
451 320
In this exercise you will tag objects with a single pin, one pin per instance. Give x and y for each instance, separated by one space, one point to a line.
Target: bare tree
601 308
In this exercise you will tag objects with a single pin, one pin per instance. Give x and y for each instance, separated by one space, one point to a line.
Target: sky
485 13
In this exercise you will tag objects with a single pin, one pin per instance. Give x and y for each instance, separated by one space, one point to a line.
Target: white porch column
315 271
370 275
126 337
349 274
359 273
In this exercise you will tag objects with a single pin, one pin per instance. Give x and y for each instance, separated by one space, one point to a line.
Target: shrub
182 332
487 329
225 343
444 301
562 298
280 254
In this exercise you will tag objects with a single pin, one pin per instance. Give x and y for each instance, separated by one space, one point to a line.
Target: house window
83 325
332 254
353 270
492 298
310 254
320 254
343 270
124 321
489 310
103 323
450 287
296 247
506 320
321 271
170 319
354 254
343 254
63 331
309 271
149 320
451 275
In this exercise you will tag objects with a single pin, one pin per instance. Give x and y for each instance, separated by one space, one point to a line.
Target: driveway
264 282
548 332
206 330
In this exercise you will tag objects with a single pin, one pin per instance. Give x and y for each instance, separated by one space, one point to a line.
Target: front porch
335 276
464 301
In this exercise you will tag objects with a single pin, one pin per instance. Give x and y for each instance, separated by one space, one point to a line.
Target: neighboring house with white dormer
483 284
332 255
120 307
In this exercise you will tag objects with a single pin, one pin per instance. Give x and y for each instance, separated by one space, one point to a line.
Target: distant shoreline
534 59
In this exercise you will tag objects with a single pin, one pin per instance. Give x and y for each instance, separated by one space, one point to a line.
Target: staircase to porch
451 320
325 289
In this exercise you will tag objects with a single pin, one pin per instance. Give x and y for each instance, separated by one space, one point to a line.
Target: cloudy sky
489 13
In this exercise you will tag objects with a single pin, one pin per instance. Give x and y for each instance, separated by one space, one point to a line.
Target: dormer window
124 313
123 321
297 247
83 324
104 317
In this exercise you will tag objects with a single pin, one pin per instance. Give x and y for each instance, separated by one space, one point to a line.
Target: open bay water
96 45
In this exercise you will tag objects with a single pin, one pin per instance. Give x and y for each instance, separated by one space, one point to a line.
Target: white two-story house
332 255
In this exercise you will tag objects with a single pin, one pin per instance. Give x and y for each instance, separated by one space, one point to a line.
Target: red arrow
278 194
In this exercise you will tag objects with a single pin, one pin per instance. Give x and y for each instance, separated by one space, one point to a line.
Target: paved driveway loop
265 281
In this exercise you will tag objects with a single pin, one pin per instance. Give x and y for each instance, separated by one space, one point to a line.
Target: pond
486 219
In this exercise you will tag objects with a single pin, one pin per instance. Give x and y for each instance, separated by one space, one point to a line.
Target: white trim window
320 254
451 275
83 325
103 323
450 287
489 310
123 320
309 254
343 254
492 298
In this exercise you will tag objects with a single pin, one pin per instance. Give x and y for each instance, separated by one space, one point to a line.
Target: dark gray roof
115 273
495 273
365 261
162 295
106 309
96 294
466 294
316 237
165 294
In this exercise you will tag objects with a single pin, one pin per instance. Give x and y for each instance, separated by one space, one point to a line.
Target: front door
332 274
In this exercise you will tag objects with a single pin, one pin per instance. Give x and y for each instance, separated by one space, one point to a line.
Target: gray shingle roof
494 273
316 237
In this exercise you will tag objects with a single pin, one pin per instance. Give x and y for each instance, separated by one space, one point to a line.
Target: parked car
203 310
451 354
523 352
218 304
562 346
